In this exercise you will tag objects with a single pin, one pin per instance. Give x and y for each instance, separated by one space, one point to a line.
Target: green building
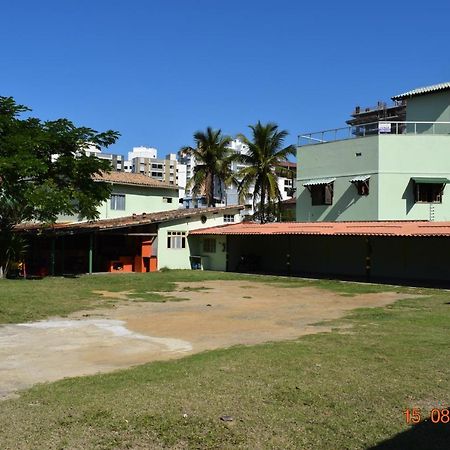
390 163
134 193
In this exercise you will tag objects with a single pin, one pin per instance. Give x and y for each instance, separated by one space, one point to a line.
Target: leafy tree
262 161
45 172
213 160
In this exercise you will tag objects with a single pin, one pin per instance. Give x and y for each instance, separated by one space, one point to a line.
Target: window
362 187
209 245
118 202
322 194
428 192
228 218
167 199
176 239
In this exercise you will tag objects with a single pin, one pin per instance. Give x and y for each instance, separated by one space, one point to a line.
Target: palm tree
262 162
213 159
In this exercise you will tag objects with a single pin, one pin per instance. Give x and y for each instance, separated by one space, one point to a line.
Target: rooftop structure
421 110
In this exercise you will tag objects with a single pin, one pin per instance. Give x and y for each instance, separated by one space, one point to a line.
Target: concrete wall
433 107
403 157
391 161
138 200
342 160
179 258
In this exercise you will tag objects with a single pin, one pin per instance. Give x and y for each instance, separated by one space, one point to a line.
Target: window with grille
176 239
209 245
228 218
118 202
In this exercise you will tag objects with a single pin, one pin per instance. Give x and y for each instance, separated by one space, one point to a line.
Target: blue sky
158 70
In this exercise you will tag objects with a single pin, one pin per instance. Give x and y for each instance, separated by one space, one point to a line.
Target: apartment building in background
145 161
229 195
169 170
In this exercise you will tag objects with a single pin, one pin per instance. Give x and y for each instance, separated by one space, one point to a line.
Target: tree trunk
262 202
212 201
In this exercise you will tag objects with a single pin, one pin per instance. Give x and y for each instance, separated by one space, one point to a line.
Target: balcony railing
373 128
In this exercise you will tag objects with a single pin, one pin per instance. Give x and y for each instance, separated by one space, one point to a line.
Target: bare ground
218 314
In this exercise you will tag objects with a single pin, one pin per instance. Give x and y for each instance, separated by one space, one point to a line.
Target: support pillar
52 256
368 258
63 255
91 252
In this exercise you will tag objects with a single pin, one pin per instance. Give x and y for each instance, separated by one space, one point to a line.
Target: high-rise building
229 195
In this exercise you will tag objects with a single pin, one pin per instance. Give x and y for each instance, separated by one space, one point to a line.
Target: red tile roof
133 179
400 228
129 221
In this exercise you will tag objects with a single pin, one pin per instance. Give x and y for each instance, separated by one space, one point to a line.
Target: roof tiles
133 179
123 222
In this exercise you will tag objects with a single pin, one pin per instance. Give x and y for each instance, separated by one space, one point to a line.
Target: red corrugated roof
400 228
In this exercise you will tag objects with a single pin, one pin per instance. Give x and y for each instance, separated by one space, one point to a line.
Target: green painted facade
391 161
140 199
338 160
432 107
179 258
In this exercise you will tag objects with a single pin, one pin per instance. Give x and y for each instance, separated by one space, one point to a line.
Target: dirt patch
121 295
225 314
218 314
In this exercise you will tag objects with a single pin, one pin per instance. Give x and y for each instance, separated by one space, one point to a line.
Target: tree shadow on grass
423 436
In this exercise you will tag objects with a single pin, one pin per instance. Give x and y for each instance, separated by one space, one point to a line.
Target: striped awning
360 178
319 181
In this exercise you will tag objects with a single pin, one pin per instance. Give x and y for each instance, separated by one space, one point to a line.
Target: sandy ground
221 314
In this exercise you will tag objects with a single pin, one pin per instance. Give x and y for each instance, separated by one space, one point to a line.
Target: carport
416 251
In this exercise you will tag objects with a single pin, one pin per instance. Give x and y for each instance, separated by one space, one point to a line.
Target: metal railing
374 128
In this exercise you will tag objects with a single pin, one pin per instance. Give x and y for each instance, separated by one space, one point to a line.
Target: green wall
340 160
402 157
140 199
179 258
391 161
433 107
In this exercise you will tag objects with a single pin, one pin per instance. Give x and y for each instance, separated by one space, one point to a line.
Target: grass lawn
341 390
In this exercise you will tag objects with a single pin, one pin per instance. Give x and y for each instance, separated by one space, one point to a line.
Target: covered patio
409 251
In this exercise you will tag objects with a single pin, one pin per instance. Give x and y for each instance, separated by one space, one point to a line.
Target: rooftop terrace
374 128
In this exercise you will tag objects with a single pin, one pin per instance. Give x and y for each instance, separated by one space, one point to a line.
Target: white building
143 152
145 160
229 194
